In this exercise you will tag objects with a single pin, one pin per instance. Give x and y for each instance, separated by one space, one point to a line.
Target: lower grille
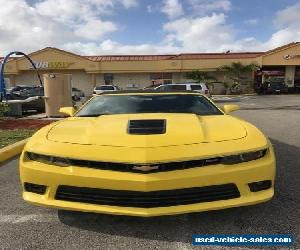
35 188
163 198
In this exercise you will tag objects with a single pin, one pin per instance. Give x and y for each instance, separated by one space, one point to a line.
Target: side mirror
69 111
230 107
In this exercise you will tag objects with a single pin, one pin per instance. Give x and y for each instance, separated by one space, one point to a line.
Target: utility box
58 93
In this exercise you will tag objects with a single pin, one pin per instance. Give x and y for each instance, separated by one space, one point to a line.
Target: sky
105 27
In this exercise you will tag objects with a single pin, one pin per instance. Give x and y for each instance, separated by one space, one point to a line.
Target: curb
12 150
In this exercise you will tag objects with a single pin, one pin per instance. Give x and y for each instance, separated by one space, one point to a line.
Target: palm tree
201 76
235 73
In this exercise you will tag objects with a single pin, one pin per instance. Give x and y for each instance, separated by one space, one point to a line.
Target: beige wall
178 77
82 81
123 80
132 81
27 78
280 57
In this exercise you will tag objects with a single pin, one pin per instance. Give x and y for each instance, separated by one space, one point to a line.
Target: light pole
2 82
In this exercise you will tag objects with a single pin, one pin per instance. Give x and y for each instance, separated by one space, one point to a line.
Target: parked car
198 87
104 88
141 153
274 87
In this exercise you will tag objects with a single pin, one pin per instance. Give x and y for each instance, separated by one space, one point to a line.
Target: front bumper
239 174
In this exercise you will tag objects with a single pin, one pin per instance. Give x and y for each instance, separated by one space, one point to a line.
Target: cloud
202 7
22 28
44 23
94 29
84 26
287 22
206 34
212 33
288 17
129 3
282 37
109 47
172 8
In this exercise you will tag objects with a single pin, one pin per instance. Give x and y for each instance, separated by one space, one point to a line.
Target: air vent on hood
146 127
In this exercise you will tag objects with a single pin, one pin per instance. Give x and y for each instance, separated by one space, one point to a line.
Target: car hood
181 129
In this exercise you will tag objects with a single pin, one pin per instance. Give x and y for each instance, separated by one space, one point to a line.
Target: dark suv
272 87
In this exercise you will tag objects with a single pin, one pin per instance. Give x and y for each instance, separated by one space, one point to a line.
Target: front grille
163 198
147 127
123 167
162 167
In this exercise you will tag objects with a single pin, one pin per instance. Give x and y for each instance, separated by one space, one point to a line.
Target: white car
104 88
199 87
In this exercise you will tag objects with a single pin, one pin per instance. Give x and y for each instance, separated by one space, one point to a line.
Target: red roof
128 57
175 56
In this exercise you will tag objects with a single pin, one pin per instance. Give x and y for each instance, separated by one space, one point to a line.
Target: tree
201 76
235 73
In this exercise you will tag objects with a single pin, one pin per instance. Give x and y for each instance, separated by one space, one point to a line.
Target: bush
4 108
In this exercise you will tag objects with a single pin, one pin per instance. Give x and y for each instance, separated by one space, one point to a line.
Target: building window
168 81
108 79
161 78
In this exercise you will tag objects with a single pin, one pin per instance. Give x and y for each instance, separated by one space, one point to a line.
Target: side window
177 87
196 87
35 92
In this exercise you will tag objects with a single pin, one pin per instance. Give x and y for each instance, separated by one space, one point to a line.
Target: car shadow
278 216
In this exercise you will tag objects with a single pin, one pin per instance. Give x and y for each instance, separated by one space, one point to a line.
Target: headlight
63 162
234 159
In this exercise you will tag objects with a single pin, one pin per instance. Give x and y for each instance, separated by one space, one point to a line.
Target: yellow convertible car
148 154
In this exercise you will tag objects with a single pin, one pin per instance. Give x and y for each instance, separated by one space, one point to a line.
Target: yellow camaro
148 154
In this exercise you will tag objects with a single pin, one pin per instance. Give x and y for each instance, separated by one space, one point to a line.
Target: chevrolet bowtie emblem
145 168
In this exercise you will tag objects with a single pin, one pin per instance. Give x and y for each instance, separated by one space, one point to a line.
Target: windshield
132 104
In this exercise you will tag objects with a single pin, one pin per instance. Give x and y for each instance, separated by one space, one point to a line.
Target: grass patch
8 137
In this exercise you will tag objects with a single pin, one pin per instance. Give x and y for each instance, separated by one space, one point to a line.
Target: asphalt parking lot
23 226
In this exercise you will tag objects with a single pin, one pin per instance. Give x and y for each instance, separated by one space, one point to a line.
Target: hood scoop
146 127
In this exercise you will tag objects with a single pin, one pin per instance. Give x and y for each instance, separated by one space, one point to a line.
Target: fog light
260 185
34 188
